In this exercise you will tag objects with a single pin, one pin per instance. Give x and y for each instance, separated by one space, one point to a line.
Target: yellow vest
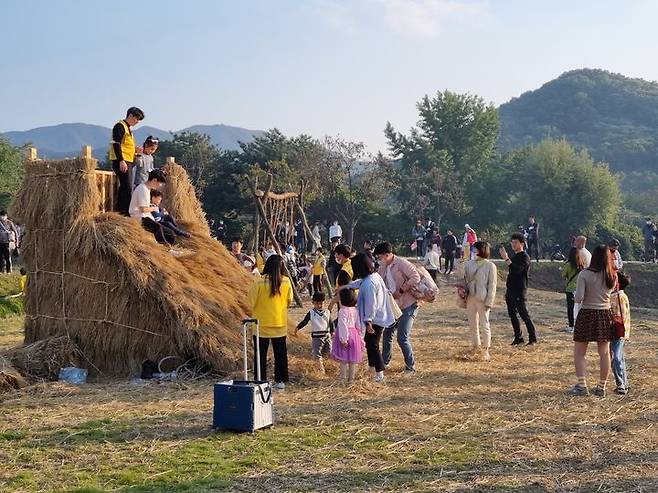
127 145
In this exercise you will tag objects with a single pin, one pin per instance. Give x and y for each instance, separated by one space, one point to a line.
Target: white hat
466 226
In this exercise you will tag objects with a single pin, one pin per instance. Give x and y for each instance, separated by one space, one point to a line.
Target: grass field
457 425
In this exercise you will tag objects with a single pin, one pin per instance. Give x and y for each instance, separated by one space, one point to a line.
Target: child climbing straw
269 298
348 344
320 337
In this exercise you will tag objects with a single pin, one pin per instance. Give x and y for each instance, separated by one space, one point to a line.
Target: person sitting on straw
163 217
141 208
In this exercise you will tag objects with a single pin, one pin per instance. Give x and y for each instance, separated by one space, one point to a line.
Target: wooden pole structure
270 234
31 154
86 152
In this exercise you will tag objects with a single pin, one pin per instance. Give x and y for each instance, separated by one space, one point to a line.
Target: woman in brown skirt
594 322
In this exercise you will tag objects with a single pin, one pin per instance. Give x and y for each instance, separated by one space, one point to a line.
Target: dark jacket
517 278
449 243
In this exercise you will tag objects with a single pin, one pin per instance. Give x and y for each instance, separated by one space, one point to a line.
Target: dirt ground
457 425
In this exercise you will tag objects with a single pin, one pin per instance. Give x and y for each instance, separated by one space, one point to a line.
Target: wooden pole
86 152
270 234
31 154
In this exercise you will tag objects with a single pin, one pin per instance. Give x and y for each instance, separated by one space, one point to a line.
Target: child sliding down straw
348 345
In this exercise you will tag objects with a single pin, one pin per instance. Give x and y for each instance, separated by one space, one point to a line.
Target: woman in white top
481 279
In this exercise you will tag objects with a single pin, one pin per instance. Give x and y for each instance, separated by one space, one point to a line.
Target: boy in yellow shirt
319 270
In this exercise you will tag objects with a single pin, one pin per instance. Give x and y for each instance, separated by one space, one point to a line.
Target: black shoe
517 342
531 343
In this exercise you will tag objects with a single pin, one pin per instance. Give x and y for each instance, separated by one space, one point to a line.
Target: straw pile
42 360
105 283
10 378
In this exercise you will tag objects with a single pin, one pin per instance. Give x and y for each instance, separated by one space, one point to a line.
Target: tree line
447 167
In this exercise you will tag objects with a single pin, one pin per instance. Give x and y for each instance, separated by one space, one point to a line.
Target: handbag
395 308
618 323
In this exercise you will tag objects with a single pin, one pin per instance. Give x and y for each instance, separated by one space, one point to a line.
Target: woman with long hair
594 321
570 272
374 307
269 299
481 278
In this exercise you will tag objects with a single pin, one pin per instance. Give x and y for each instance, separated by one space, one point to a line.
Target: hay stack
42 360
104 282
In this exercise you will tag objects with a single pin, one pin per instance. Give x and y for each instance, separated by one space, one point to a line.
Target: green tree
441 160
11 171
566 189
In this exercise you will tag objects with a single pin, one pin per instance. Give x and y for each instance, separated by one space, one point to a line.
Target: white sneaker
569 330
379 378
280 386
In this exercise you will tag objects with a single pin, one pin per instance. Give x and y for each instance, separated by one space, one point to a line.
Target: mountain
66 139
613 116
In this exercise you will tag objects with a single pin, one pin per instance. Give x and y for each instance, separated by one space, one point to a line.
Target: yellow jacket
127 145
270 311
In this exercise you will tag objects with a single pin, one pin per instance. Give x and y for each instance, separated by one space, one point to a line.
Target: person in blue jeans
400 277
622 314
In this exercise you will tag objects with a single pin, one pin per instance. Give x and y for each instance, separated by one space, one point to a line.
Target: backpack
426 289
6 234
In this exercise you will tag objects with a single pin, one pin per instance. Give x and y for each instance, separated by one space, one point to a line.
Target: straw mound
43 359
10 378
104 282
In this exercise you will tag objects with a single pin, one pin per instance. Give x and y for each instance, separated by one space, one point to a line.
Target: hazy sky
314 66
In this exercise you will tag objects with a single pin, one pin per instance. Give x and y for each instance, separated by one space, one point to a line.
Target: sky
321 67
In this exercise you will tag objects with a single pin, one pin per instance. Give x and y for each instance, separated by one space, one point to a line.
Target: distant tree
196 153
568 191
440 161
11 171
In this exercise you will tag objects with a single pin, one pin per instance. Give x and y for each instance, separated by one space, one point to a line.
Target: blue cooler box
242 405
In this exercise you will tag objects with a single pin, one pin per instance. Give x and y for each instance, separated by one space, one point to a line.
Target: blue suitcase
244 405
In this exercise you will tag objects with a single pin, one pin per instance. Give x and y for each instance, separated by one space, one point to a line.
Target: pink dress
348 330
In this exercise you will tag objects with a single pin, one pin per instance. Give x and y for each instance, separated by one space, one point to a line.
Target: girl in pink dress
348 345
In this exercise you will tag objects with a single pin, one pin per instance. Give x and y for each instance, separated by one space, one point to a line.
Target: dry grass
456 425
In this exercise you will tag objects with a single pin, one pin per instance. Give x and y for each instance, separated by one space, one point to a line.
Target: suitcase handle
262 394
245 323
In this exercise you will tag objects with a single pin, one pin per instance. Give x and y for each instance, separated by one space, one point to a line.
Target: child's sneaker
568 330
621 391
280 386
379 378
579 391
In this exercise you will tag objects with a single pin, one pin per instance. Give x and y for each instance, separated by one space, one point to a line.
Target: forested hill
613 116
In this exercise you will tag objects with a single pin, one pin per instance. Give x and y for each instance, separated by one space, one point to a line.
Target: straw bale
102 281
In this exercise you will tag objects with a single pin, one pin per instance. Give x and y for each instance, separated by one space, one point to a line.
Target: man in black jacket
517 288
532 230
449 246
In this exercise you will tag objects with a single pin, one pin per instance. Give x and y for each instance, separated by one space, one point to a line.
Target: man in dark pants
122 154
517 287
449 246
532 229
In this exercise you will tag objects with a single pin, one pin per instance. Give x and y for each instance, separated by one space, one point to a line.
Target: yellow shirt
270 311
318 266
22 282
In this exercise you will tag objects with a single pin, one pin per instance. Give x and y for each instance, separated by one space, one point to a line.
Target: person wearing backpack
8 241
570 274
400 277
480 279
